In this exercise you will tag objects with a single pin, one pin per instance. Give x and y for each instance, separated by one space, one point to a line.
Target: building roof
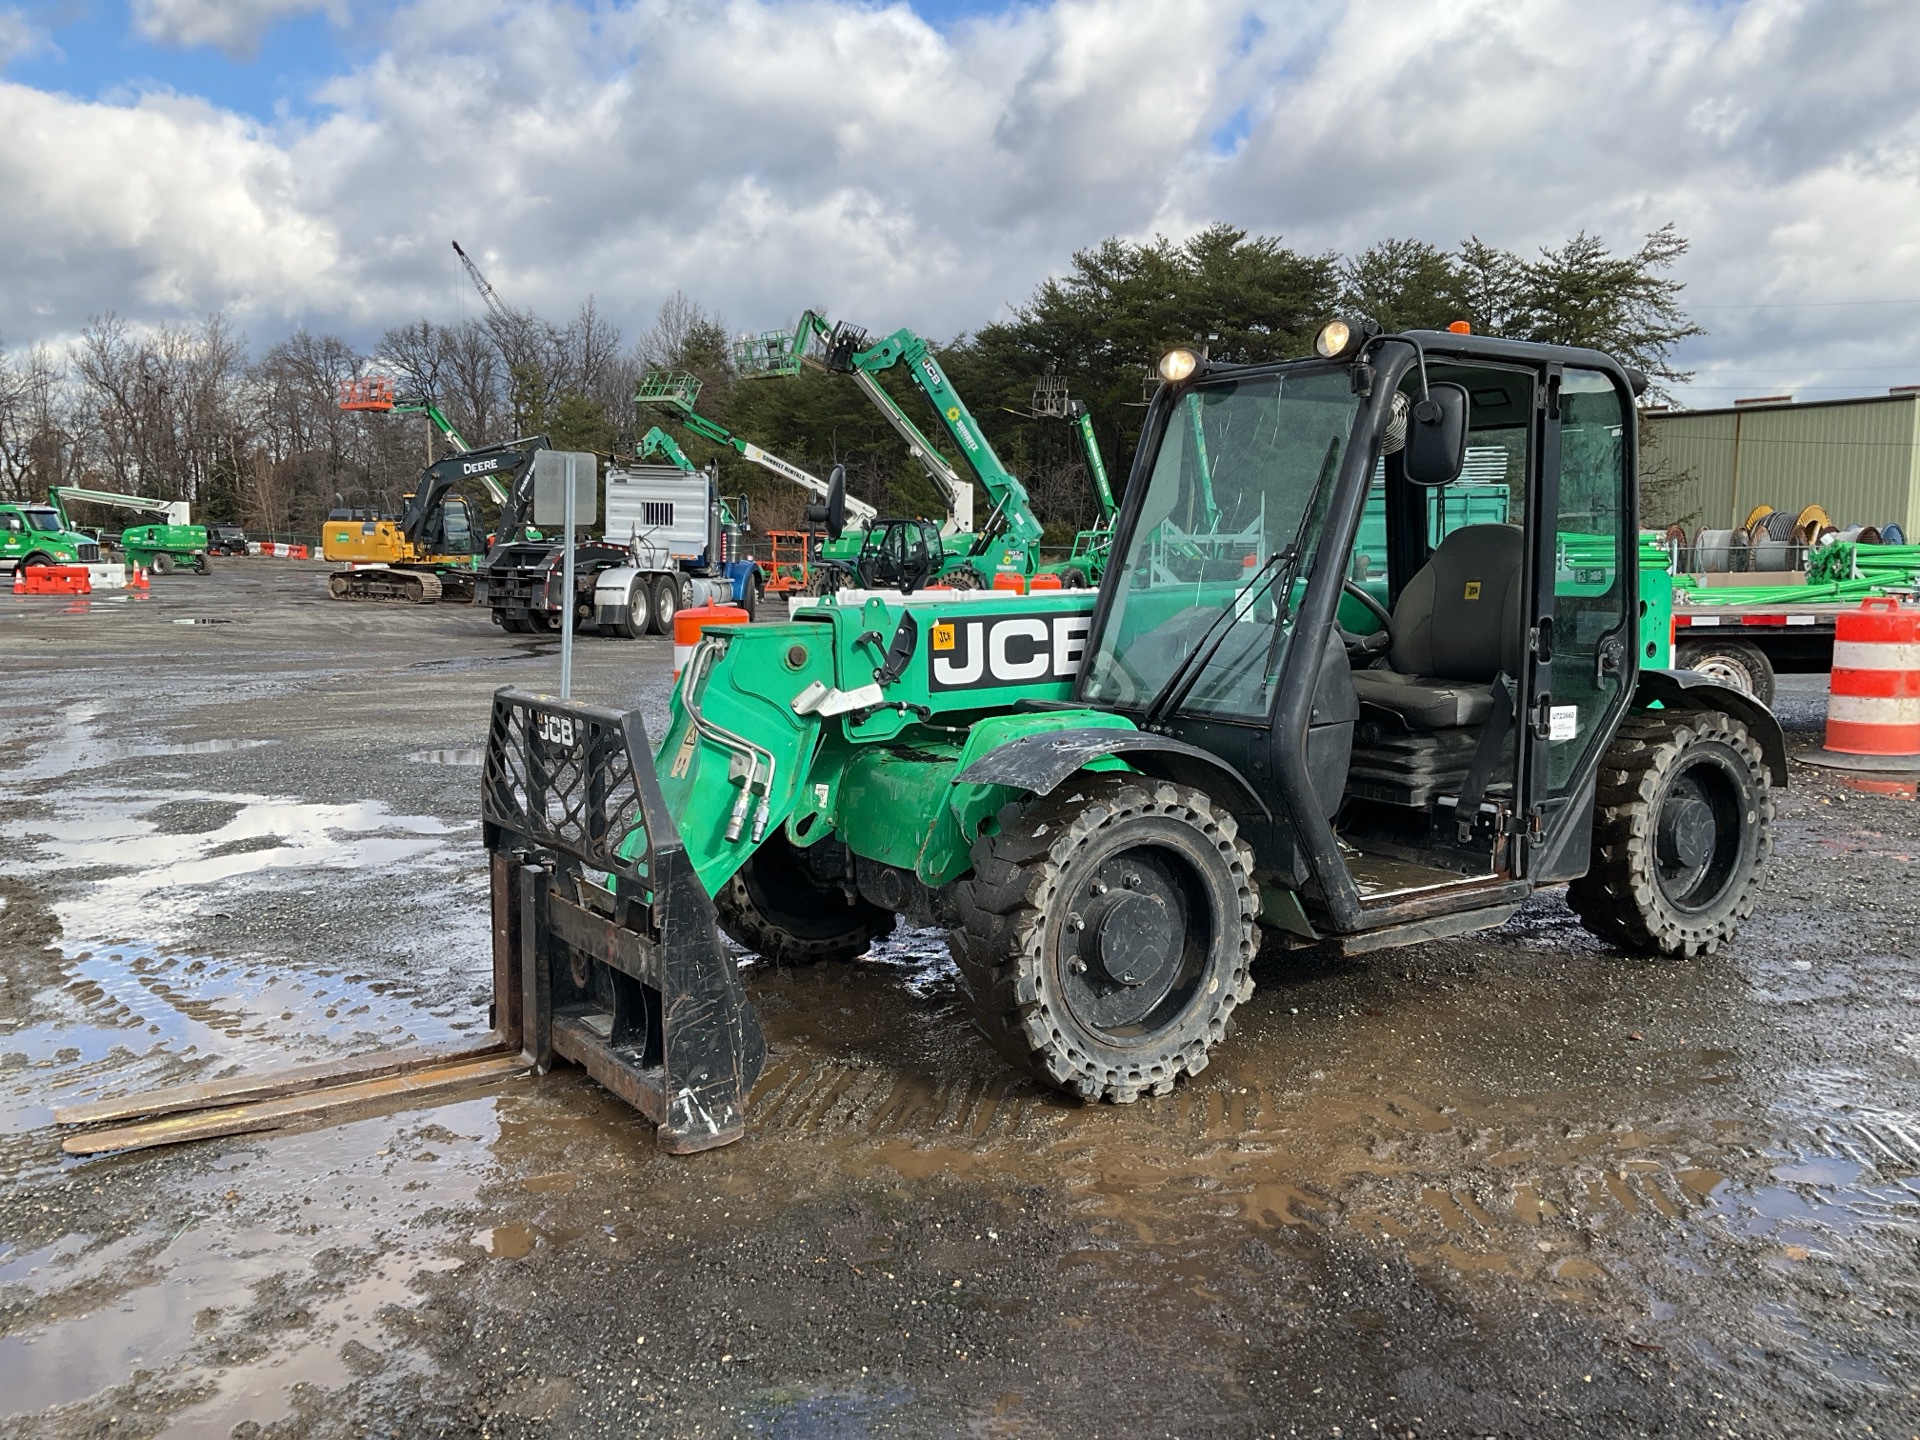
1905 393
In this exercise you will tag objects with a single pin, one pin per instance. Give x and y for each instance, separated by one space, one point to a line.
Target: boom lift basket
771 352
678 388
605 946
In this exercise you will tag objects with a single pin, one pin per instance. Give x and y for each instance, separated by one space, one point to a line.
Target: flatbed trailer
1747 645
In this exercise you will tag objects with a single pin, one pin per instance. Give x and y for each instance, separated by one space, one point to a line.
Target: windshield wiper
1187 673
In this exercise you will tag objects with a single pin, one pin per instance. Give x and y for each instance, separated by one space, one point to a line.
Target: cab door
13 532
1583 584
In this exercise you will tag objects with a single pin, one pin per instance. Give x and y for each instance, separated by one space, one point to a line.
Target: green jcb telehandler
1109 797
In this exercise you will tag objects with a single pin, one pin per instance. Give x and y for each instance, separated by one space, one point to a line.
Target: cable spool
1780 525
1808 524
1892 534
1755 516
1773 555
1674 537
1713 550
1868 536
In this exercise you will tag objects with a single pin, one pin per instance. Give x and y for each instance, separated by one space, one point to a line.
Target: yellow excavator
431 550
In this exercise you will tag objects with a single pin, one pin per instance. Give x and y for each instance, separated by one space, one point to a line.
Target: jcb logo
972 652
555 729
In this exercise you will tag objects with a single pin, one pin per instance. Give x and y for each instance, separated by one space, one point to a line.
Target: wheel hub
1123 944
1133 938
1687 831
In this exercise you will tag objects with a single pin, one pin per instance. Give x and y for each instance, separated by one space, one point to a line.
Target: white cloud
769 154
18 35
234 26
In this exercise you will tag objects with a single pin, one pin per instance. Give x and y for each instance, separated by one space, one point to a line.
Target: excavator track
406 587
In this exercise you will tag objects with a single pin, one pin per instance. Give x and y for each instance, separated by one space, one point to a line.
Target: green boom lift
162 546
1107 797
1088 560
1009 540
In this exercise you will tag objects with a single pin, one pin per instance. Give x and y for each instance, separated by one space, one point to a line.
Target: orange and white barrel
688 623
1873 707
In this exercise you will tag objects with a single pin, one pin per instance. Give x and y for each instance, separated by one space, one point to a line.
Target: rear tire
775 907
1107 933
1738 663
639 610
1683 827
666 604
201 565
1073 578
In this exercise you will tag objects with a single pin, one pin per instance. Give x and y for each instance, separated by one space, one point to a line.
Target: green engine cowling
855 721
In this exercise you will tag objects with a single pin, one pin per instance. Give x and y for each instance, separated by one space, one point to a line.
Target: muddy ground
1516 1184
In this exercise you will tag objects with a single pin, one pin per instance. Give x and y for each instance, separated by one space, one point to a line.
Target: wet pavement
1513 1184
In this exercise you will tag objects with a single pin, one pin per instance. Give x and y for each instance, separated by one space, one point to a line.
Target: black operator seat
1456 626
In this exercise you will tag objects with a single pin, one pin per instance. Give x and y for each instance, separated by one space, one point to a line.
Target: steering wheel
1371 604
1367 645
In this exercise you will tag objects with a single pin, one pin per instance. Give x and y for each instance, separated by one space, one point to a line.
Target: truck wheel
1683 826
1106 934
38 558
775 907
639 609
162 563
666 604
511 623
1738 663
201 565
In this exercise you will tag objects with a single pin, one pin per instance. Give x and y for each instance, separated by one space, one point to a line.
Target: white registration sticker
1563 722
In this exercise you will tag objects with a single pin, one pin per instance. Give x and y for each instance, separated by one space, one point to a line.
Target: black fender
1038 763
1685 690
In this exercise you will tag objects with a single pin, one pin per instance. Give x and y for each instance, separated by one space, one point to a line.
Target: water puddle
1891 789
166 876
450 757
76 745
236 1300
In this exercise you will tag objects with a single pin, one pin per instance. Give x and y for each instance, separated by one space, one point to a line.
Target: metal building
1857 458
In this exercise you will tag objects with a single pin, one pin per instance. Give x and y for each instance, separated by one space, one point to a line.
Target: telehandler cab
1107 797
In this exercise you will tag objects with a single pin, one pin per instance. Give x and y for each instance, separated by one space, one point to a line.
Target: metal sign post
565 494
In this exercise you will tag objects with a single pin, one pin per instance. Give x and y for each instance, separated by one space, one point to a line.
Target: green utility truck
164 545
40 535
1109 798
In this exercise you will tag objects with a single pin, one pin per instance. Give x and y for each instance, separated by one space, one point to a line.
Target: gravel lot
1514 1184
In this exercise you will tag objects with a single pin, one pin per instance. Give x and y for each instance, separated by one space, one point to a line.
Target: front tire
1107 933
776 907
1683 828
163 563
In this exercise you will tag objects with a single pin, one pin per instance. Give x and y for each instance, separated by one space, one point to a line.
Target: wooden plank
273 1114
241 1089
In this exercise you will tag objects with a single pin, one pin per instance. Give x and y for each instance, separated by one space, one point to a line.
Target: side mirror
1437 436
832 513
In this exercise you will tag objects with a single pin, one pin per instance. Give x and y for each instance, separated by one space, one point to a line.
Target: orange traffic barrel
1008 580
688 623
1873 705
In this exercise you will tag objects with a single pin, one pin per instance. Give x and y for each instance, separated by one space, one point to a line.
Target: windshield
44 519
1233 508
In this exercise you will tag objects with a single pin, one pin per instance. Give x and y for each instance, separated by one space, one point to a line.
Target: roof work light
1176 365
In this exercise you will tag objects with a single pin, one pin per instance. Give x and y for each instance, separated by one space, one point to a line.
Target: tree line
187 412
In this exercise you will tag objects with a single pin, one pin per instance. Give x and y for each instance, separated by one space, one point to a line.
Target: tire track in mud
1469 1184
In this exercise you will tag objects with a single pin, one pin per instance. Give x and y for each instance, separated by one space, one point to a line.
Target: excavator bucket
605 947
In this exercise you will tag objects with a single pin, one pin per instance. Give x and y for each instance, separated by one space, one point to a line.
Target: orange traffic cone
19 579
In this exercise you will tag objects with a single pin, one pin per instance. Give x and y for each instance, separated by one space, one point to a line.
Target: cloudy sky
927 163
